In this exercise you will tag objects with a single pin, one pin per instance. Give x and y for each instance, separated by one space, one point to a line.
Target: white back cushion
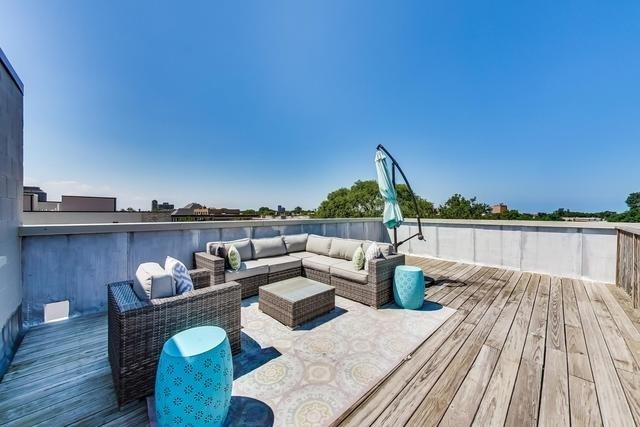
268 247
343 248
243 246
152 281
296 242
318 244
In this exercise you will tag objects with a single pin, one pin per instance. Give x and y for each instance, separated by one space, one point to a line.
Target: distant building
197 212
35 200
42 196
161 207
500 208
281 210
88 204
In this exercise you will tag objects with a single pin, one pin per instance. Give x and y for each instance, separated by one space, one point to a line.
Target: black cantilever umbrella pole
395 166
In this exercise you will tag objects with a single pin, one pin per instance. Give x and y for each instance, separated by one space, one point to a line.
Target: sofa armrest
212 263
201 278
382 269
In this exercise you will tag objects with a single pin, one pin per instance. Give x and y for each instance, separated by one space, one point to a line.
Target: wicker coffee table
297 300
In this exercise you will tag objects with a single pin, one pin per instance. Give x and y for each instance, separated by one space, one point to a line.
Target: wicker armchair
139 329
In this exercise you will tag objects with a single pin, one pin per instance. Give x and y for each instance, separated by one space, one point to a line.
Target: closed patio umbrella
392 215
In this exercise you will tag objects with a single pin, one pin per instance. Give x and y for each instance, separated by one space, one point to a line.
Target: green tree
297 210
363 199
511 215
251 212
633 201
408 206
458 207
265 211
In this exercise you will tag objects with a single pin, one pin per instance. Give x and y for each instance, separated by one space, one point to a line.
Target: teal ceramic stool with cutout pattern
408 287
194 378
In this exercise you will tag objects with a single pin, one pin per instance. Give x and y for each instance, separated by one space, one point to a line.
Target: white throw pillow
181 278
373 252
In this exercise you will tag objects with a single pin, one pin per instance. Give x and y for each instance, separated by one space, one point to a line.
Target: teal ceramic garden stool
408 286
194 378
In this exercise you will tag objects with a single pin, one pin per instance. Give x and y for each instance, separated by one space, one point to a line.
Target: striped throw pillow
372 253
181 278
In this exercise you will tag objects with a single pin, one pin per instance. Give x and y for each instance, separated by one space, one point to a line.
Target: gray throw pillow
217 249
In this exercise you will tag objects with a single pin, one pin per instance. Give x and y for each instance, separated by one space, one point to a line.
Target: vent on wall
56 311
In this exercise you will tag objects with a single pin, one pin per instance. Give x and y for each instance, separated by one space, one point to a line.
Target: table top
296 288
194 341
409 268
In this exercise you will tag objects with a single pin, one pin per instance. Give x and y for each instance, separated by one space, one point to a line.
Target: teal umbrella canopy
392 215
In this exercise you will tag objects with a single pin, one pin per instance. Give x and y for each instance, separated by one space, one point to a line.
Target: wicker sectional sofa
138 329
324 259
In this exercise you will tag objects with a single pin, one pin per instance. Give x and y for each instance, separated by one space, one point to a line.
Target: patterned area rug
311 375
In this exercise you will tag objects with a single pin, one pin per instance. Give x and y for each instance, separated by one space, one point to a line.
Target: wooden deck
60 375
522 349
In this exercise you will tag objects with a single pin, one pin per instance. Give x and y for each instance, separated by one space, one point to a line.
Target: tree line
363 199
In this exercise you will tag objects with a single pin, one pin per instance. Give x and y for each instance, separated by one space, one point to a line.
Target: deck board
520 350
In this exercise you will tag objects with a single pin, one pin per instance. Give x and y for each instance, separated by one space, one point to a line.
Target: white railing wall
568 249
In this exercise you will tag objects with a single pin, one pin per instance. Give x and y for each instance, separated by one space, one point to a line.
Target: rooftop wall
567 249
46 218
11 124
75 262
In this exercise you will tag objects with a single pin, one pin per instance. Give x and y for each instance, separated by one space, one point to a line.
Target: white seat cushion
247 269
347 270
320 262
281 263
302 255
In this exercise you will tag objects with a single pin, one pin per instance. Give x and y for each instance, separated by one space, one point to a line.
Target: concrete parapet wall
75 262
576 250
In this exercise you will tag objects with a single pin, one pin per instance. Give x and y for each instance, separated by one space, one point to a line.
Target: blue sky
245 104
